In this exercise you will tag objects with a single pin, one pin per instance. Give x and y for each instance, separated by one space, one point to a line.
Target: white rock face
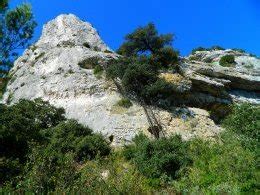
50 70
71 30
241 81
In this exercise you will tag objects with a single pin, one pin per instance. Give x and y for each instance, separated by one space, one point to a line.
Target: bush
239 50
158 158
89 63
21 124
124 102
219 168
53 165
215 47
120 177
198 49
244 120
227 60
166 57
3 84
98 70
71 136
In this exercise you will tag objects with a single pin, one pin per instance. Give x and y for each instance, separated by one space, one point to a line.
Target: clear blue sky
228 23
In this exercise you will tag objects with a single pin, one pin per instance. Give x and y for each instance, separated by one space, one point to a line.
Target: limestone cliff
50 69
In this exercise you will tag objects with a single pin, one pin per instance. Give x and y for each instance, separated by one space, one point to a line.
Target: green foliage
198 49
70 136
66 157
98 70
219 168
120 177
3 84
158 158
137 77
124 102
159 90
147 54
147 41
227 60
239 50
89 63
166 57
16 29
20 125
215 47
230 165
144 39
54 165
244 120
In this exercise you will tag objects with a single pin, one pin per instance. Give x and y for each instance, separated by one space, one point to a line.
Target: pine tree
16 30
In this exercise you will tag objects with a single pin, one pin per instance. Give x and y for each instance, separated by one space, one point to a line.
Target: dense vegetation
38 145
41 151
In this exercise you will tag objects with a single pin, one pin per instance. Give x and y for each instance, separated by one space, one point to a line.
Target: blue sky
228 23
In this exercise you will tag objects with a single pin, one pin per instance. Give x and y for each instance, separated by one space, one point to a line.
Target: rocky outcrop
59 69
240 82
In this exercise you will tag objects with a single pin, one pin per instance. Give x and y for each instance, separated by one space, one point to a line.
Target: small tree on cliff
146 52
16 29
147 41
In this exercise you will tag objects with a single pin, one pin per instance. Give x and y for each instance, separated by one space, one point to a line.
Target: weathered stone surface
241 82
50 70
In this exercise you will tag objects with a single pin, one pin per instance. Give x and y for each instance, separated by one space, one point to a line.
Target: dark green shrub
53 165
89 63
86 44
144 39
70 136
47 170
239 50
98 70
161 89
227 60
166 57
21 124
3 84
124 102
158 158
208 60
198 49
216 47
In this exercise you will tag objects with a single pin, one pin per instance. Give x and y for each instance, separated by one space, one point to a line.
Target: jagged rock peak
69 30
